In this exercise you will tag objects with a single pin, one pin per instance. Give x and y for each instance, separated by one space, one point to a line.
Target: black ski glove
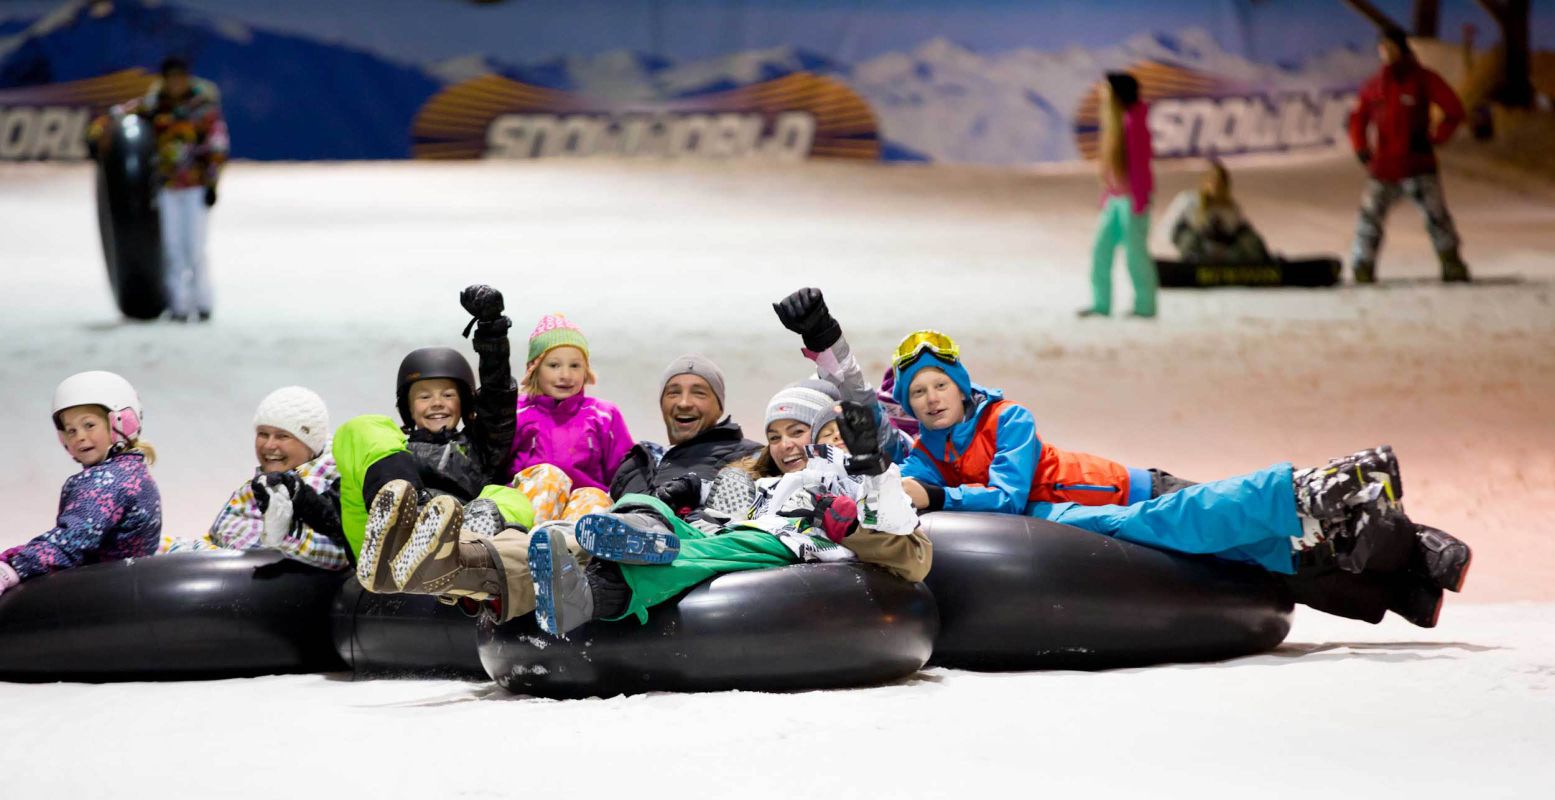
261 485
862 437
683 494
1363 155
210 195
804 312
484 304
320 512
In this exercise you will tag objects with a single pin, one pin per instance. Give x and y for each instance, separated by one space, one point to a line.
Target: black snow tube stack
806 626
404 635
127 216
1308 271
177 616
1017 593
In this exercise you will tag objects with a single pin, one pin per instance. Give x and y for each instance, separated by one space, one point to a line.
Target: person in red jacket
1393 136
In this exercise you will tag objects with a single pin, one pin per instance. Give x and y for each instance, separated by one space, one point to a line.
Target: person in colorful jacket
191 146
1394 137
979 453
567 446
1127 183
112 508
292 503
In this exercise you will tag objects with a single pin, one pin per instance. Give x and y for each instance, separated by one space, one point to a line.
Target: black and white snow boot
482 517
1377 465
1442 557
1377 536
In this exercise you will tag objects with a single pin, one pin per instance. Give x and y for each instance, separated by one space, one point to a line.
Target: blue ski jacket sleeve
1010 470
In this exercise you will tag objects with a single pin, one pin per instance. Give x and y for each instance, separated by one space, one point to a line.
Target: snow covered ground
327 274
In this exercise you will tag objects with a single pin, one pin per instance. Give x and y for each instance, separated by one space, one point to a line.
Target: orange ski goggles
937 344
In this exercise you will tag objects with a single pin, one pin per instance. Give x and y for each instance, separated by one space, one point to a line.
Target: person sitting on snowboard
1207 226
979 452
292 502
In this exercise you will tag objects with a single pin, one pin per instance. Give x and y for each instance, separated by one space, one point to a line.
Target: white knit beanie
297 411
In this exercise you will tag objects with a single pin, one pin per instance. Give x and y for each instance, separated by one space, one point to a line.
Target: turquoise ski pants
1117 225
1249 518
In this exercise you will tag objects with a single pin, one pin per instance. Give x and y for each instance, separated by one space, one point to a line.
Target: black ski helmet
435 362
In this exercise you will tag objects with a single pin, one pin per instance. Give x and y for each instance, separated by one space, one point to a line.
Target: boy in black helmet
429 451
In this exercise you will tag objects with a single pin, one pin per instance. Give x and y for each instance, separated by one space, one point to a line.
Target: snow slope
326 274
1342 709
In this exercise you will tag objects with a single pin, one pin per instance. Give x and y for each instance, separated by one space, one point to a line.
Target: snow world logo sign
1195 115
797 116
49 122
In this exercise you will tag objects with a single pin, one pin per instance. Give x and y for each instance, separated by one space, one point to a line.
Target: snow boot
1376 536
1453 268
436 531
444 561
390 521
1415 598
1326 492
627 537
1442 557
482 517
563 600
1377 465
1364 271
732 495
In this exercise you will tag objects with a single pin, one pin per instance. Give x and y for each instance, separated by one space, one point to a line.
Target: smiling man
701 438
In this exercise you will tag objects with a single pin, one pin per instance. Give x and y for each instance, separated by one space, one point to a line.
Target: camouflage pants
1378 198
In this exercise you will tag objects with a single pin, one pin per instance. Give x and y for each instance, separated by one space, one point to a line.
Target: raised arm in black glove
484 304
862 437
804 312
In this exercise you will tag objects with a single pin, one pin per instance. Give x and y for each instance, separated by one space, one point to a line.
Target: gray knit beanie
809 401
700 366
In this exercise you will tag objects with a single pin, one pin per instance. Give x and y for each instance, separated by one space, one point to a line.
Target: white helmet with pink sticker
106 389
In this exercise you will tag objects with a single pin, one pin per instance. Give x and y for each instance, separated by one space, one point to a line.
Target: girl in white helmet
111 509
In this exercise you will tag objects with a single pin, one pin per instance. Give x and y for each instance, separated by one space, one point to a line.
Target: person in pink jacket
1126 187
567 445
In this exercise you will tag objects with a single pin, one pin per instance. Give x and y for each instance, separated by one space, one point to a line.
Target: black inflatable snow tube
127 217
177 616
1017 593
807 626
404 635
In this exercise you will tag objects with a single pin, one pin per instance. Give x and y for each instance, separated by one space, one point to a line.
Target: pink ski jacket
584 436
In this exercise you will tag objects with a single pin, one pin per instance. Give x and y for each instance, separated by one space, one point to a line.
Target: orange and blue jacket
993 460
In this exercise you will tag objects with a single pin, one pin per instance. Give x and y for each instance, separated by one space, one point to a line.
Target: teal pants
1249 518
1119 225
701 557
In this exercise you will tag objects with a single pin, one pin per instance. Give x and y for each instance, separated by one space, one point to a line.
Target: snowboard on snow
1310 271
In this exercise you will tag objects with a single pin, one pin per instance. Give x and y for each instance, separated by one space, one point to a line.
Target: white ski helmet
106 389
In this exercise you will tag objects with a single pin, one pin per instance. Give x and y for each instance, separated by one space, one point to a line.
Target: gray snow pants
1379 196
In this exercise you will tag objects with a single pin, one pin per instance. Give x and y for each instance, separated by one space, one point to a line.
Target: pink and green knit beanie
555 331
